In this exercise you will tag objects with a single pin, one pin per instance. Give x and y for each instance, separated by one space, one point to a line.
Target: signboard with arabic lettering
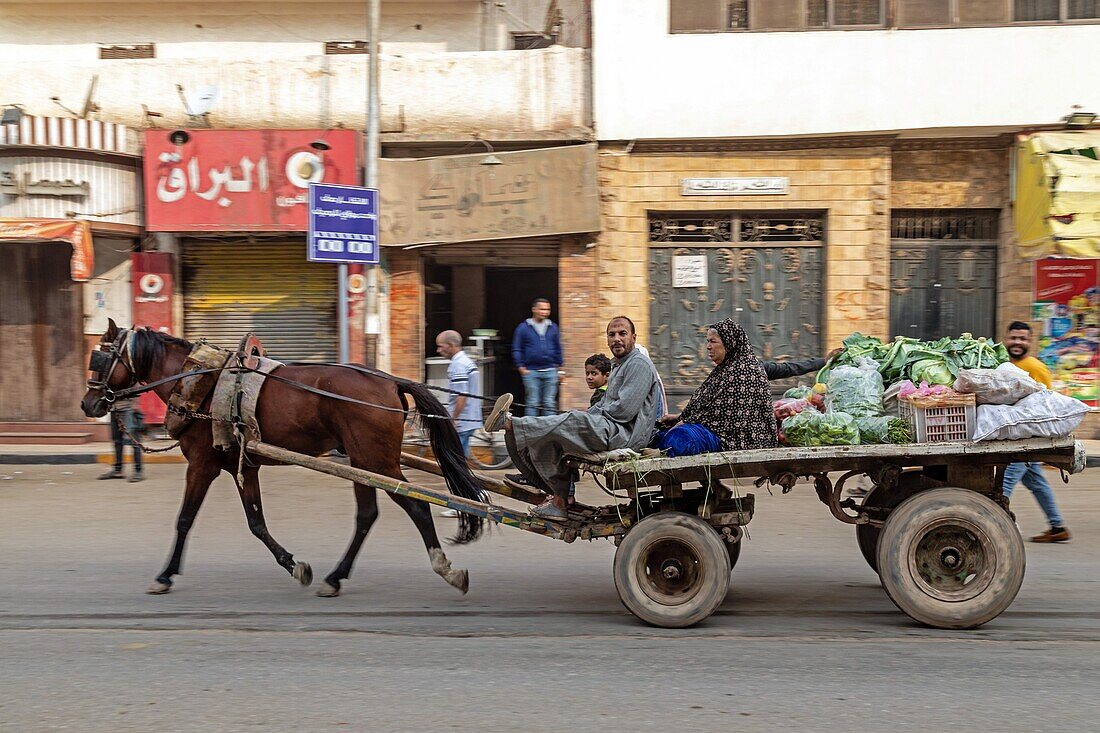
242 180
343 224
734 186
458 198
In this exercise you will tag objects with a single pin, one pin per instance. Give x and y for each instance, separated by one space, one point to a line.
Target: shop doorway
40 334
943 273
468 297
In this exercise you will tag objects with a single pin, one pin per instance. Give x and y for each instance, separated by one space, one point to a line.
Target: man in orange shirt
1018 342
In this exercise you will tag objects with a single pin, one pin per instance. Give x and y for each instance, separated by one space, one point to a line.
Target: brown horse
303 422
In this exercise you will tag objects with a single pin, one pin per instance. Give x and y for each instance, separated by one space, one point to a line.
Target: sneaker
858 491
113 473
547 510
136 477
449 513
499 414
517 478
1054 534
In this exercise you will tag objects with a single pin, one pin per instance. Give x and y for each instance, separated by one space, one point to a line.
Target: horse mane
148 348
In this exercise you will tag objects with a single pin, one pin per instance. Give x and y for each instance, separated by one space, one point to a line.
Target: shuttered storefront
269 288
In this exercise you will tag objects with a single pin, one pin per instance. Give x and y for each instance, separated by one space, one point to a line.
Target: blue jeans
540 392
1036 482
464 438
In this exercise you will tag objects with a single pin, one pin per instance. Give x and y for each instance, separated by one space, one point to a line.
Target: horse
299 421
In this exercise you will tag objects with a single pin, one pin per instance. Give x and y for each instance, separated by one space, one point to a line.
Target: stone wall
851 185
579 313
406 273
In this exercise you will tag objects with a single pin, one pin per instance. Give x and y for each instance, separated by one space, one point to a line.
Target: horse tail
448 453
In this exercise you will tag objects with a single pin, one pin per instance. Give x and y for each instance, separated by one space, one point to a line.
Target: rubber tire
712 565
905 527
867 535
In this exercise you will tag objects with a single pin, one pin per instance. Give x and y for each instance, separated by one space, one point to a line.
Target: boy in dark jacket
597 368
537 353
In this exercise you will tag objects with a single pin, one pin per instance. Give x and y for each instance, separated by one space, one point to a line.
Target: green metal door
765 272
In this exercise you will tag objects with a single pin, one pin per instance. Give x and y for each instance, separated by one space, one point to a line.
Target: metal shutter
269 288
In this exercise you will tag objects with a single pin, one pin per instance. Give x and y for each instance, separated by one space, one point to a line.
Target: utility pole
373 326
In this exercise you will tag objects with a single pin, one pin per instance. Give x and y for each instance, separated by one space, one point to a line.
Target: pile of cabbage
933 362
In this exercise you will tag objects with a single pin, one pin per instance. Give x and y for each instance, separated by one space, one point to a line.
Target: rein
120 347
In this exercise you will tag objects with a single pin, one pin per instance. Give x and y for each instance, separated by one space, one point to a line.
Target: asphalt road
806 640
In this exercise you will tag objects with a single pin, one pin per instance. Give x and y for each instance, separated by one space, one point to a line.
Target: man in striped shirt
462 376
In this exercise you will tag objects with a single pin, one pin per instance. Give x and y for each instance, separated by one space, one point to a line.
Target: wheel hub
952 560
669 572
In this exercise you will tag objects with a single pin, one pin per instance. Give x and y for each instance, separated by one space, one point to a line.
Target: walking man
126 413
536 352
1018 342
462 376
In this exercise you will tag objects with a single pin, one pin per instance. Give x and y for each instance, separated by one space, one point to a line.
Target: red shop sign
241 180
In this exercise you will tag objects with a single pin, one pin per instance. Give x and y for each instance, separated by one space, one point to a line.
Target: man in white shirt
462 376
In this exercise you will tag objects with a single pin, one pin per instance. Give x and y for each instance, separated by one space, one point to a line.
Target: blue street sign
343 224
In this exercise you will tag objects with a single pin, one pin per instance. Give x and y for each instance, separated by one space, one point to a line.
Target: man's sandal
499 413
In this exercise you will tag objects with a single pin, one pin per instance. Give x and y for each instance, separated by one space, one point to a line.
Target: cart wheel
909 483
672 570
951 558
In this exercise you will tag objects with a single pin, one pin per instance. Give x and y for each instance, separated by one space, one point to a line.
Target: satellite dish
89 99
203 100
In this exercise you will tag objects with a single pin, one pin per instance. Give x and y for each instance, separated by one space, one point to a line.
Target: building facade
819 168
456 77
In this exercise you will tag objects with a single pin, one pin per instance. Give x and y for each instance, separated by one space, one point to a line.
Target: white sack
1000 386
1045 414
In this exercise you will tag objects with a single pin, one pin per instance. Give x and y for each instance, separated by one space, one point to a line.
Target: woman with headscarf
732 409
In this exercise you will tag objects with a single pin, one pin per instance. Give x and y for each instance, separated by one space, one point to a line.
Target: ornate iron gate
943 273
764 271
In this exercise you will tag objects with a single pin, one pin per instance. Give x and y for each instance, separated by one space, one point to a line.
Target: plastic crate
939 419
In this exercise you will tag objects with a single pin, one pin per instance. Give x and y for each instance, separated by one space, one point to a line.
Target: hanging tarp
1058 194
75 232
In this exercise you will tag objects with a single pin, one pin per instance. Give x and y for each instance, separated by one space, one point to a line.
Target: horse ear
112 330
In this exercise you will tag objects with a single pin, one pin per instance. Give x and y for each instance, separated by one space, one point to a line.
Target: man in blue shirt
462 376
536 352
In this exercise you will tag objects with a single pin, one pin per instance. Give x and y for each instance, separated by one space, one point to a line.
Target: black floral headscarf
734 402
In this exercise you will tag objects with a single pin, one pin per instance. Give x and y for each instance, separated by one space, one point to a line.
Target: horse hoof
158 588
303 573
461 580
327 591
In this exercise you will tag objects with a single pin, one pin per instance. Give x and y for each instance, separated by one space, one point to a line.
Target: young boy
597 368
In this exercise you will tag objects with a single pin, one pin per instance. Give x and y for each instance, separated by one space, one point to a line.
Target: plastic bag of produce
784 408
893 392
801 392
884 429
856 390
1005 385
811 427
1044 414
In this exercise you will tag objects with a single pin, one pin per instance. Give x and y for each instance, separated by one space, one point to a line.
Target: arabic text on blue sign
343 224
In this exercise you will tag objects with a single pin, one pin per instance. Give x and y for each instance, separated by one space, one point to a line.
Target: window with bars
959 224
129 51
337 48
532 41
717 16
945 13
710 16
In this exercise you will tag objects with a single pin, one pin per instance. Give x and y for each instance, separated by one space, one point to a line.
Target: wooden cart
935 525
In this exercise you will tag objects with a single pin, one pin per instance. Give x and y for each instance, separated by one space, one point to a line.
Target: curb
73 459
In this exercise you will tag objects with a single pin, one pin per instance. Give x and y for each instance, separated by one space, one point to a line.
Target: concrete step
50 438
100 431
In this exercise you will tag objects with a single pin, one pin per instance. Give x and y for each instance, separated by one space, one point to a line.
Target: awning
75 232
1058 194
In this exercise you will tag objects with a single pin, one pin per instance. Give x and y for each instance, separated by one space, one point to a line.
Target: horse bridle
104 360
